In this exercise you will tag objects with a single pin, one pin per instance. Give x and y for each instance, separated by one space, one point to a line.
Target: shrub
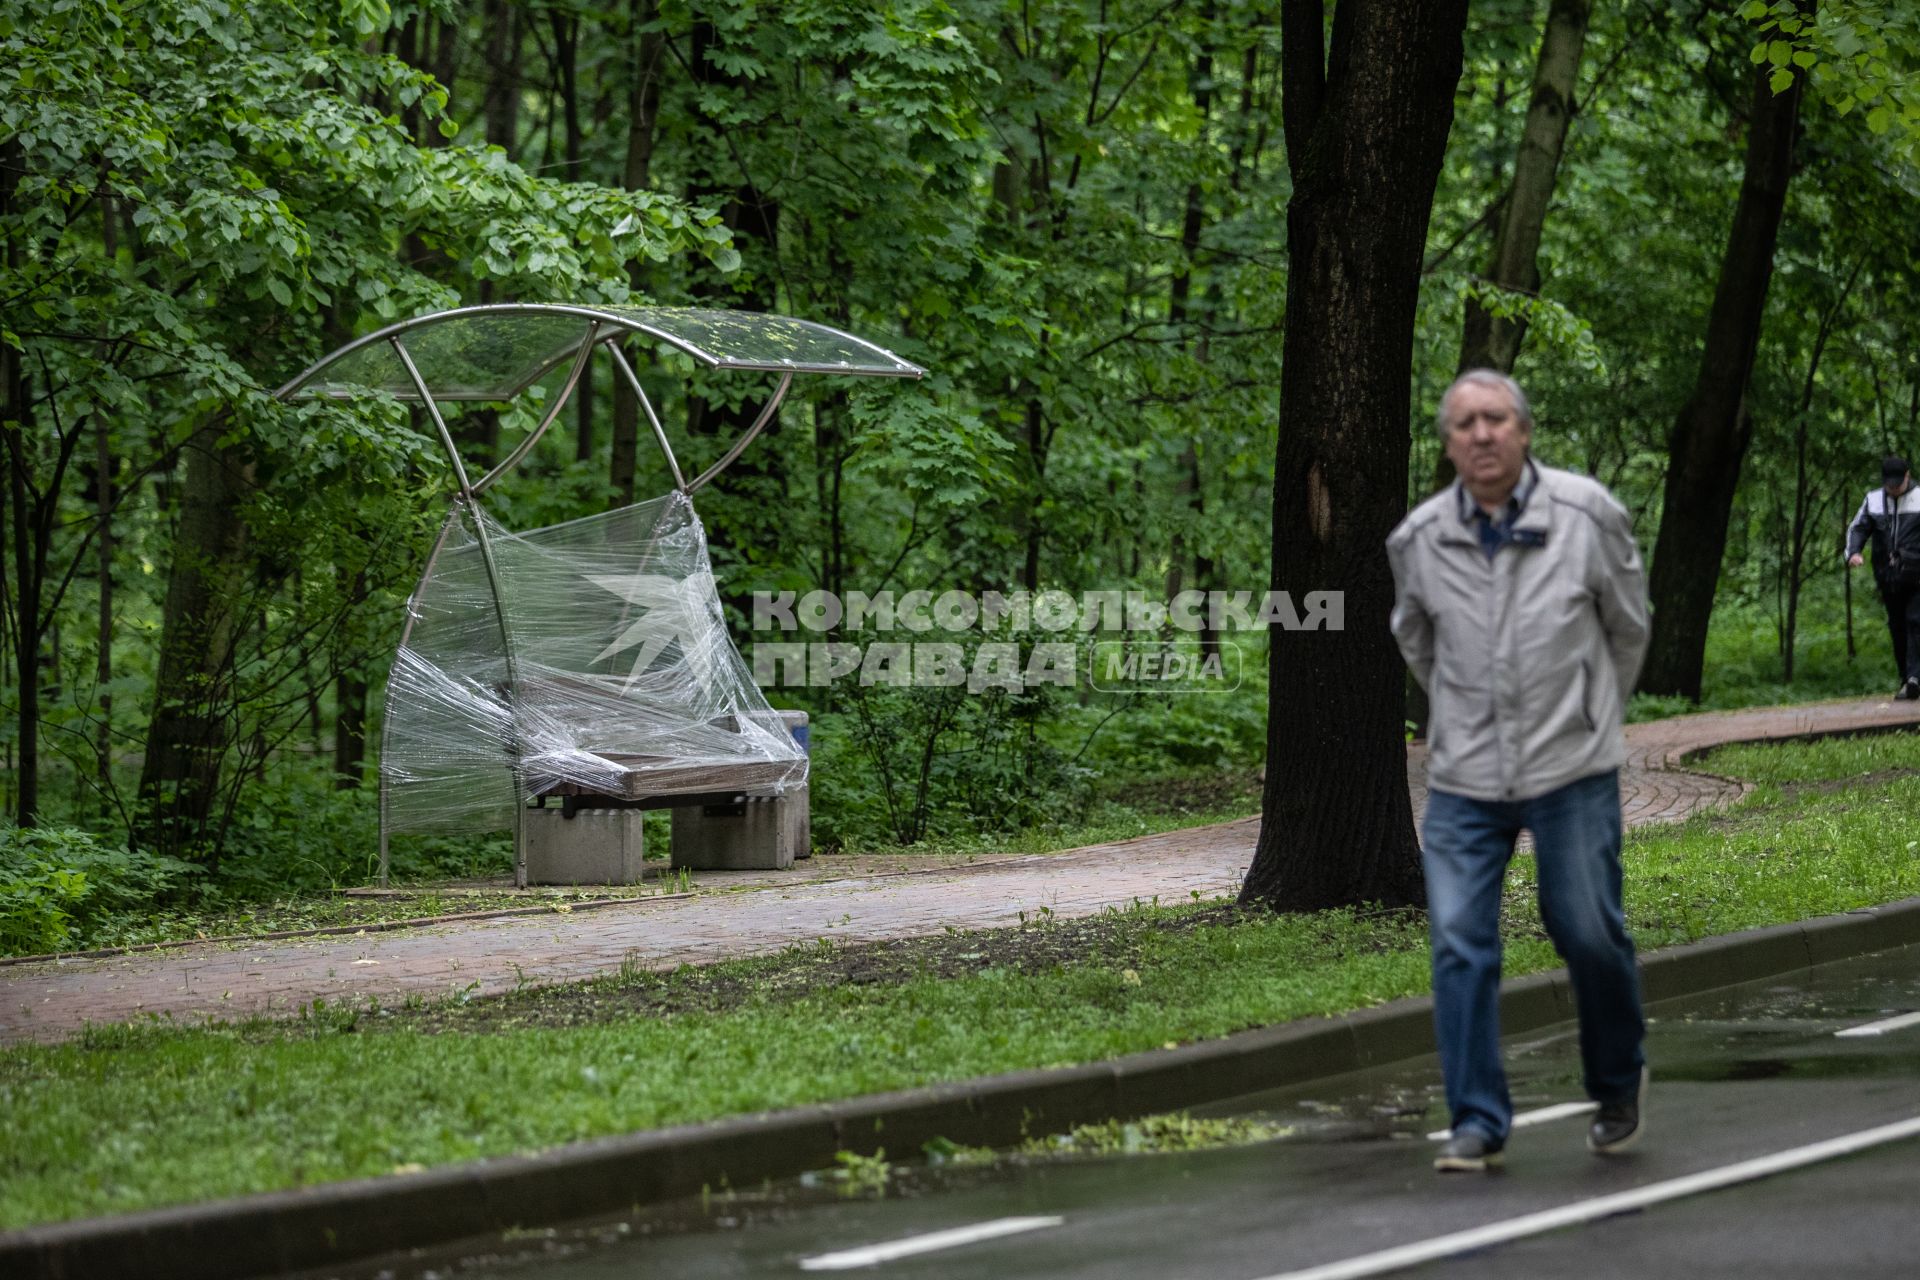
308 837
60 887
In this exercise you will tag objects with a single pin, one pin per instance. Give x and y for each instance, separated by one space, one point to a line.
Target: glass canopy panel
749 340
478 356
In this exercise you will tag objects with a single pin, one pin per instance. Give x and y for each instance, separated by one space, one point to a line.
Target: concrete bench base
595 846
762 833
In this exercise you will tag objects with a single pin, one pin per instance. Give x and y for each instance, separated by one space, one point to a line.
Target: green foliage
943 458
37 904
62 889
1549 322
945 760
308 837
1857 55
1206 731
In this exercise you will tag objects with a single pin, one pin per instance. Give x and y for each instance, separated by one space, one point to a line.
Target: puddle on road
1812 1066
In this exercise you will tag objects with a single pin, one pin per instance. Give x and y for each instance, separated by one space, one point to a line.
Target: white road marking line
1532 1224
1558 1111
1882 1026
872 1254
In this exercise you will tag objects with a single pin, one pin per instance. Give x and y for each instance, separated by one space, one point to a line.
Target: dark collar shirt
1496 531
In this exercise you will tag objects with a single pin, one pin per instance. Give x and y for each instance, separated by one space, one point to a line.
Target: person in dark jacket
1889 518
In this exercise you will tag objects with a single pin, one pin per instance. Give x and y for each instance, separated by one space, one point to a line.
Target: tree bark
29 572
1709 438
445 66
1488 342
16 424
103 470
753 215
1187 485
193 721
566 56
349 731
33 525
1513 262
1366 130
1031 531
501 106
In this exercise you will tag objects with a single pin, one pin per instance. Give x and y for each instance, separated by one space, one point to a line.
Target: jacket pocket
1586 693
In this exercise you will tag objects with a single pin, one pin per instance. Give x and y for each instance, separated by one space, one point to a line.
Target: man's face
1895 488
1486 440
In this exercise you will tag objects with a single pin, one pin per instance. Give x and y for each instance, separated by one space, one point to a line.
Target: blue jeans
1576 838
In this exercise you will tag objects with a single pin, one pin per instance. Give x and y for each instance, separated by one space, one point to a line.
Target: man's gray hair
1485 378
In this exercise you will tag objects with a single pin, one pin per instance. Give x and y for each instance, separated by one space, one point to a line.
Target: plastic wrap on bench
625 681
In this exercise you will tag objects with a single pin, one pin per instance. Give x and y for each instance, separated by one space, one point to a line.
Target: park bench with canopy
588 661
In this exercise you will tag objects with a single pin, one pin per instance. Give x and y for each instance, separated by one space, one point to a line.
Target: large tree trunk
193 719
1366 130
1709 439
1488 342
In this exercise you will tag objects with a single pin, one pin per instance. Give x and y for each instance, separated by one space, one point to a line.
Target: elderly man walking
1520 606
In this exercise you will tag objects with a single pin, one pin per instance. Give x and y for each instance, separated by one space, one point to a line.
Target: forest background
1686 227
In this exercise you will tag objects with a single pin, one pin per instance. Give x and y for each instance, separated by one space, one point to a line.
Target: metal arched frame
603 329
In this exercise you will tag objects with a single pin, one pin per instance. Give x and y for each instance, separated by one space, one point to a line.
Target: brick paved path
46 1000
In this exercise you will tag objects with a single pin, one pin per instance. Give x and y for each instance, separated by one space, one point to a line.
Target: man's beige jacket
1527 659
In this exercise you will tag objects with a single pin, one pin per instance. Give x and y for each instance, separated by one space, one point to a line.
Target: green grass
1824 760
129 1117
1743 668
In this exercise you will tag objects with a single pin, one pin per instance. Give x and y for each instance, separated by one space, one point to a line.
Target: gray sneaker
1617 1125
1468 1151
1908 690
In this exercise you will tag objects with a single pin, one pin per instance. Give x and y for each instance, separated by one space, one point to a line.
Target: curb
343 1223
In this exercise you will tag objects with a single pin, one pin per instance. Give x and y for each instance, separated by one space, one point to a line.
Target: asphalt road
1741 1075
